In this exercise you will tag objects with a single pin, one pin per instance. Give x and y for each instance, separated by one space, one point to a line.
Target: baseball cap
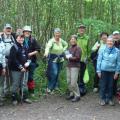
81 26
7 26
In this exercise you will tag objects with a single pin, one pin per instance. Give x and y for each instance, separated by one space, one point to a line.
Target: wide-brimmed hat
27 28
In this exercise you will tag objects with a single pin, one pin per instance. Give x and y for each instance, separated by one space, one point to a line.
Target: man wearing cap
54 51
83 43
2 71
8 41
32 48
116 38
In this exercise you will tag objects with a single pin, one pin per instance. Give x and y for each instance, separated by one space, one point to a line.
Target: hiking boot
1 103
57 89
28 101
15 102
69 97
102 103
111 103
48 91
76 99
95 90
32 95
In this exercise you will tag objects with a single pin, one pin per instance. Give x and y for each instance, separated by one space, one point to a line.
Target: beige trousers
72 78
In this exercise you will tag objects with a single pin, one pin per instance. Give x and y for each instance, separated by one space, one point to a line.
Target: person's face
73 41
104 38
8 31
116 37
27 33
57 35
110 42
81 31
20 39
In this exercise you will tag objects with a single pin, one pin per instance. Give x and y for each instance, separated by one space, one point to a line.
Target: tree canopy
44 15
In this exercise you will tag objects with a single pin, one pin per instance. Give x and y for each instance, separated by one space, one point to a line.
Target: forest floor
55 107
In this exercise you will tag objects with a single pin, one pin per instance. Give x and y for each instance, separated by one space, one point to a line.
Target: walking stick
21 88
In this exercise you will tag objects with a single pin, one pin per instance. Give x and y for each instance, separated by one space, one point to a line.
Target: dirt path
57 108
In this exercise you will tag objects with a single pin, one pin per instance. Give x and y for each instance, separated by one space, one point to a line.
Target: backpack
94 54
8 44
9 59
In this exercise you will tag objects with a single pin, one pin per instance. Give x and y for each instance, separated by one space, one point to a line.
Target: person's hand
115 76
99 74
98 45
45 55
26 64
4 71
23 70
29 54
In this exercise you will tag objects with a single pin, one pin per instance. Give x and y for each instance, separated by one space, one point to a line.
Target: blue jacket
109 60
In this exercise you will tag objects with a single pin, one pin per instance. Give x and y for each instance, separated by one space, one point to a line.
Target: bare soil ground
55 107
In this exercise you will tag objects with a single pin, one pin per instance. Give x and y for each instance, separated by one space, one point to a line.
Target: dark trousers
106 85
31 83
115 87
82 71
96 78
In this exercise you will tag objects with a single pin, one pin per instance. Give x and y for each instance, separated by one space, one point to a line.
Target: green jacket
83 42
53 48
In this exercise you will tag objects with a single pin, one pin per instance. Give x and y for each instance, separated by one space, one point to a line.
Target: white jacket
2 54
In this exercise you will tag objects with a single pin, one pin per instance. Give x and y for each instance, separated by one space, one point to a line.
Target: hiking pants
19 81
1 87
82 71
72 78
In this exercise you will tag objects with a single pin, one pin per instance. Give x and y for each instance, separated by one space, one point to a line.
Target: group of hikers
18 62
105 56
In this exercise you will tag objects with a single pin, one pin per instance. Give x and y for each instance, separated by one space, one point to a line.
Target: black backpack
94 54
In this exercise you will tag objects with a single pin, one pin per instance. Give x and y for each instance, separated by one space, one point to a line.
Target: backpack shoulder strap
16 47
2 37
12 38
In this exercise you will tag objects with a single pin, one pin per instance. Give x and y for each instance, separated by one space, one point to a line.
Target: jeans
53 72
106 85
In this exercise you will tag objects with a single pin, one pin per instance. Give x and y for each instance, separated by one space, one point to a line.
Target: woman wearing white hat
32 48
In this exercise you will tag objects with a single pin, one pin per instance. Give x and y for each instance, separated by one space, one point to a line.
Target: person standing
18 64
54 50
32 48
83 43
108 68
8 40
73 56
116 38
2 71
95 51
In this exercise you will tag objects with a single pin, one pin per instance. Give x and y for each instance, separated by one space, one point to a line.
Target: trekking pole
21 88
